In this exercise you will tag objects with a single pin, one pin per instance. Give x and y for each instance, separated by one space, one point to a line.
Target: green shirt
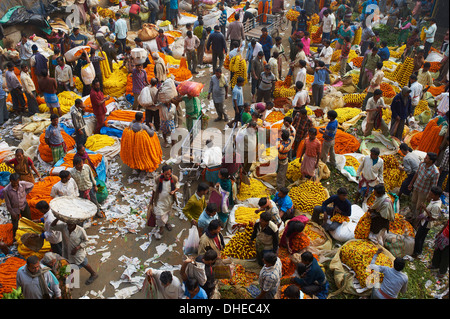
194 207
193 106
371 61
246 118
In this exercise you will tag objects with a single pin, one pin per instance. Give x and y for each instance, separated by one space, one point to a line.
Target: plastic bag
167 91
102 192
191 243
88 73
74 53
145 98
190 88
148 32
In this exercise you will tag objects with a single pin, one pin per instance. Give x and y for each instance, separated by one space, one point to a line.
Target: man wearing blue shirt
312 279
173 9
383 52
341 205
329 134
284 203
121 29
238 100
320 76
192 290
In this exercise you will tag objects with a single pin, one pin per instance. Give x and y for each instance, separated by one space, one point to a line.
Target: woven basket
70 209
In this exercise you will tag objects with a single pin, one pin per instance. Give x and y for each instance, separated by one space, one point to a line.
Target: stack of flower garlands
140 151
255 189
41 191
294 172
44 150
116 83
66 101
346 113
421 107
8 274
345 143
239 245
27 226
245 215
283 88
358 254
354 99
292 15
429 139
403 72
68 159
239 67
393 177
308 195
98 141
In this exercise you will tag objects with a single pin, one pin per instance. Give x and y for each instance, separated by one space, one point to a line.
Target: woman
310 154
61 269
405 27
293 237
23 165
81 152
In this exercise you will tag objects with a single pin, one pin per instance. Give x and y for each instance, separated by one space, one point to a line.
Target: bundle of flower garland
8 274
44 150
140 151
98 141
41 191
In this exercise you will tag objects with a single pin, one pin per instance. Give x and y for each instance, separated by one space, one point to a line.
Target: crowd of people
267 62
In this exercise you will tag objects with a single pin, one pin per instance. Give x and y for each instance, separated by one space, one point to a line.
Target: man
301 98
367 35
265 235
329 134
401 109
152 111
267 205
273 63
65 187
341 205
98 100
328 22
4 114
211 161
383 52
310 155
302 124
201 33
193 108
267 43
85 179
163 43
369 173
426 177
160 68
375 84
64 76
257 67
312 279
253 49
153 7
74 242
54 139
416 92
77 38
394 280
15 89
140 44
218 87
326 53
15 194
238 100
424 76
191 43
223 18
38 62
212 239
266 85
137 124
49 88
24 48
368 67
169 286
135 9
430 33
121 30
269 276
79 124
37 282
426 220
163 198
284 146
375 105
139 76
235 31
196 204
284 204
174 14
81 62
29 89
52 236
321 73
216 42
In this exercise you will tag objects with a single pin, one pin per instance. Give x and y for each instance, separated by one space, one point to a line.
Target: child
311 151
424 76
246 115
430 213
329 134
193 289
320 77
292 292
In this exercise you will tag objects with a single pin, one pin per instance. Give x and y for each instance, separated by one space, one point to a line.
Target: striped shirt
426 178
269 277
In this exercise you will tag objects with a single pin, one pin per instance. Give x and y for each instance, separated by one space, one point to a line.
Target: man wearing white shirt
325 56
327 25
369 173
375 104
24 48
63 75
416 91
301 75
65 187
54 237
212 160
301 98
29 89
429 36
169 286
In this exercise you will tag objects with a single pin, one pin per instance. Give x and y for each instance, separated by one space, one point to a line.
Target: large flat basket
71 209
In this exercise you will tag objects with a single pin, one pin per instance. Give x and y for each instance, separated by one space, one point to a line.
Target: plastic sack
4 178
102 192
88 73
399 245
145 98
148 32
332 101
74 53
190 88
191 243
167 91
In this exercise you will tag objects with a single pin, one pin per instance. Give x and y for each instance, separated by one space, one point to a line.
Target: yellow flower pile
421 107
116 84
337 54
358 255
387 115
393 177
66 101
292 15
283 92
312 235
402 72
245 215
294 170
397 52
339 218
390 64
255 189
351 161
6 168
357 37
401 226
104 66
239 245
274 116
346 113
98 141
308 195
105 12
78 84
354 98
239 67
269 153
